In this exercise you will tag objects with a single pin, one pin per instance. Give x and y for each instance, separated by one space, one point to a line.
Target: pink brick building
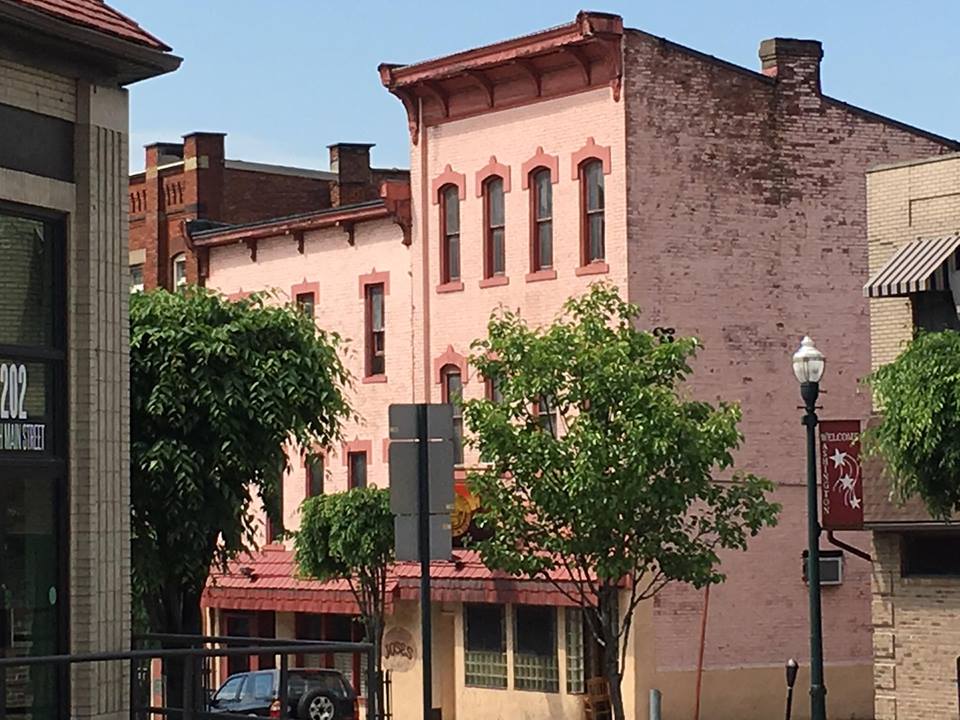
727 203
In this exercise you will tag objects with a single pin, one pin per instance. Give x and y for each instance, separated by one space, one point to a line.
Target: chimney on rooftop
351 164
794 63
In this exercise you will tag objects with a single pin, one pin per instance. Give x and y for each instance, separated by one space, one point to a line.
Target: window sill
597 267
541 275
495 281
371 379
449 287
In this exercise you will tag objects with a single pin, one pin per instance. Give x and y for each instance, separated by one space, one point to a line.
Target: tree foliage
349 536
219 391
623 498
918 435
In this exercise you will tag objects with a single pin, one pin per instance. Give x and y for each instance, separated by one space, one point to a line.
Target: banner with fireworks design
840 479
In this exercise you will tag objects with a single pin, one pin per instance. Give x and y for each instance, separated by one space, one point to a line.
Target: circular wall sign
399 650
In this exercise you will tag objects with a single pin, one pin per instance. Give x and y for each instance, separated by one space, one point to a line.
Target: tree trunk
181 615
610 637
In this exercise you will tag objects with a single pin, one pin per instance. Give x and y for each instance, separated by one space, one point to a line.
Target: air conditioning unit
831 567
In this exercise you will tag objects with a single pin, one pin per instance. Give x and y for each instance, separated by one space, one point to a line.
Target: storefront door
33 403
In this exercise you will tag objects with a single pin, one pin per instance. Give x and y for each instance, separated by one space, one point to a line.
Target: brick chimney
794 63
354 183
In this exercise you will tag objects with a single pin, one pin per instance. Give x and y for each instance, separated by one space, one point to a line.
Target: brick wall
916 633
747 227
249 196
337 268
904 202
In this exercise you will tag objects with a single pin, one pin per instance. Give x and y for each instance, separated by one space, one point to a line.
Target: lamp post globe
808 362
808 367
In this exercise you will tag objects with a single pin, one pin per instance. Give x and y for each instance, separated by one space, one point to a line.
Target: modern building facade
913 214
194 180
64 475
728 203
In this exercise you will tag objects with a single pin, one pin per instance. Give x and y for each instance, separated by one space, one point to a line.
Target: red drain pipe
703 639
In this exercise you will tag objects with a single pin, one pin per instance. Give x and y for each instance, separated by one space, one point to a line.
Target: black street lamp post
808 365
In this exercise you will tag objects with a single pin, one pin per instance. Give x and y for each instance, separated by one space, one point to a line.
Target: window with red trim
306 303
591 211
275 529
376 362
449 233
494 231
357 469
452 394
541 214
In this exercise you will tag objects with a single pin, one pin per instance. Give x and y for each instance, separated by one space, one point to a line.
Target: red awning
267 580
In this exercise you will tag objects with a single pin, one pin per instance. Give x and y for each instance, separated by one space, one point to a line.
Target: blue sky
285 78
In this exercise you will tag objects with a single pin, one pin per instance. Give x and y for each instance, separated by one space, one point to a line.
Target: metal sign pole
423 518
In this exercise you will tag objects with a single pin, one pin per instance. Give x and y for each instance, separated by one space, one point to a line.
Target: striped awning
918 266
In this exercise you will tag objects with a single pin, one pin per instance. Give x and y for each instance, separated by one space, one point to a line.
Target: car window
263 686
229 690
330 682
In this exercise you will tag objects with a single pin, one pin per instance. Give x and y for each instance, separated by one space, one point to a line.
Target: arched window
449 233
453 393
494 249
541 214
179 264
591 211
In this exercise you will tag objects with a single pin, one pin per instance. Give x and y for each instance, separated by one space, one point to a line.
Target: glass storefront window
26 297
32 462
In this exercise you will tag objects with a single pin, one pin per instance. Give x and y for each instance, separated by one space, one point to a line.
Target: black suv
313 694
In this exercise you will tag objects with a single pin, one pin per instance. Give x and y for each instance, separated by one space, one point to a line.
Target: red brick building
193 180
727 203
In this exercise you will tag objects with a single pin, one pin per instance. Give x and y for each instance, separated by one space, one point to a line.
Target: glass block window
485 646
535 664
574 645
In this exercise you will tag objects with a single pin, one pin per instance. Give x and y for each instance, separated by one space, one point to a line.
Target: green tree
349 536
599 466
219 392
918 435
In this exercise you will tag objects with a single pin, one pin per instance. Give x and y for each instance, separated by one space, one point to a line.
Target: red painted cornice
586 26
472 81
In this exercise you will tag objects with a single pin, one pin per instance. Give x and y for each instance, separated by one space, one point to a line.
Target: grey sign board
403 422
405 474
405 532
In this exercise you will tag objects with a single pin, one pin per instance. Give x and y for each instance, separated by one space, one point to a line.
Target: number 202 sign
16 434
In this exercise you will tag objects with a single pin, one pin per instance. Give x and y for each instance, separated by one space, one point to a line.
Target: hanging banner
841 482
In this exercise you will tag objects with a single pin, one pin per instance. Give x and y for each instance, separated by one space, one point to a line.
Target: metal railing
196 653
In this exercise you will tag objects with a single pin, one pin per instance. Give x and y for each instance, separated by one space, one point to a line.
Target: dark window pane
593 172
596 246
493 390
498 250
305 301
376 306
26 277
453 257
546 416
495 202
315 472
453 393
935 554
451 205
484 628
544 190
357 462
545 247
535 630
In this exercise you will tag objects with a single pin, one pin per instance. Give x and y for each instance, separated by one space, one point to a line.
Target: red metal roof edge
132 31
587 24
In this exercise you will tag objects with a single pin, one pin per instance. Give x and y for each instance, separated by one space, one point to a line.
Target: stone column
98 362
